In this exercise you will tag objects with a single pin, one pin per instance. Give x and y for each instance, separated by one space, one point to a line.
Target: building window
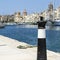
59 15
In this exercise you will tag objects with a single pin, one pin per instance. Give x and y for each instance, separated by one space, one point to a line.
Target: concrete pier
7 52
11 42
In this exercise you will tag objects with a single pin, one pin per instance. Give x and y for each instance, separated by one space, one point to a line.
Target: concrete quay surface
9 51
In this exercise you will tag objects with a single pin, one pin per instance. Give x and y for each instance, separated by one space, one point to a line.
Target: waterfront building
32 18
44 14
0 18
4 18
50 7
10 18
7 18
51 13
17 17
58 13
48 13
24 12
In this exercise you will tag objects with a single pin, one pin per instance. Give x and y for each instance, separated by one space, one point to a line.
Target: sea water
53 39
28 34
22 33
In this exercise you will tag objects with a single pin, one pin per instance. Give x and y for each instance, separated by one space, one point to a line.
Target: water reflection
53 38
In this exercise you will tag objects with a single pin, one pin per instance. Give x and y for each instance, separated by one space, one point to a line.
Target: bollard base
41 49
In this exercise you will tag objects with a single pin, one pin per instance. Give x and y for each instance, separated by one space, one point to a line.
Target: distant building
32 18
17 17
57 13
24 12
10 18
4 18
0 18
50 7
51 13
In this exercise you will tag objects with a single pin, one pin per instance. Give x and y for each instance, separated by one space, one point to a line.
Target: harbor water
53 38
28 34
22 33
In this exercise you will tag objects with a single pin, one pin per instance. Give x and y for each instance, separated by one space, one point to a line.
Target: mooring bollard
41 54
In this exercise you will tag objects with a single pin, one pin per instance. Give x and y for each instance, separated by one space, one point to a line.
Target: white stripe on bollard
41 33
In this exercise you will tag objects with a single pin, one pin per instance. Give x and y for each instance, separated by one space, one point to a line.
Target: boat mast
53 10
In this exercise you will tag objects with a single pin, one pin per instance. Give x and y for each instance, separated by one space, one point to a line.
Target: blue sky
11 6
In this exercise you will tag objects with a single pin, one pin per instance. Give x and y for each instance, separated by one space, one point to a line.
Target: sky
11 6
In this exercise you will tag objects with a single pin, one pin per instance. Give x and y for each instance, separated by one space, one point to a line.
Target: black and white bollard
41 54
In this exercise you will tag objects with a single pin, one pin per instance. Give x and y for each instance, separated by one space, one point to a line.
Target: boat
10 24
2 25
56 22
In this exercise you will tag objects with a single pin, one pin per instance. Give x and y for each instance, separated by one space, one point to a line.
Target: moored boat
2 25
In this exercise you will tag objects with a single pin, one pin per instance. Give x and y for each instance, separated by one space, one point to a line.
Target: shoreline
9 51
11 42
52 55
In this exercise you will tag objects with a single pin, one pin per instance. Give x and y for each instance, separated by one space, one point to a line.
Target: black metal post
41 55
